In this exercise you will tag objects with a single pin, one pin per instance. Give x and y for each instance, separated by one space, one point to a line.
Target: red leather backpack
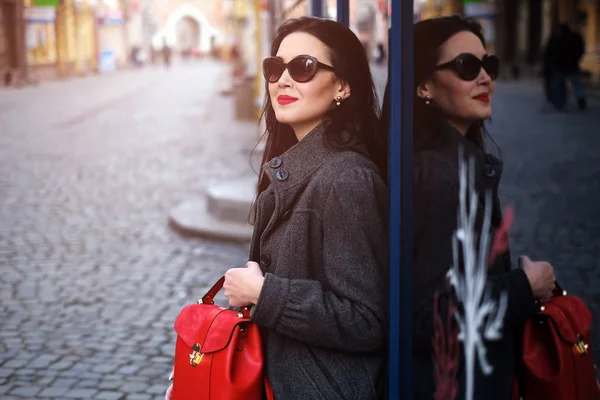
218 355
557 353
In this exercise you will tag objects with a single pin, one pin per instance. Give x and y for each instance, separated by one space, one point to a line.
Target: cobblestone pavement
552 178
91 277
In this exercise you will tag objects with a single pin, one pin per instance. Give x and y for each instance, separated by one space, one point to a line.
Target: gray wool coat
321 240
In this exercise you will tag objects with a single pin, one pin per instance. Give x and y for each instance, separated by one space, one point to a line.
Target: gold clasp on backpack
196 356
580 346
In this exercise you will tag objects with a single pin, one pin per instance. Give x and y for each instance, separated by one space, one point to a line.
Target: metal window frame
343 12
400 177
316 8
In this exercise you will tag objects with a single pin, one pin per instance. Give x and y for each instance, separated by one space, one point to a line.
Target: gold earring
338 100
427 99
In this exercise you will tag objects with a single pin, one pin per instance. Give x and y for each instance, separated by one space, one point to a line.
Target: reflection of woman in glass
454 85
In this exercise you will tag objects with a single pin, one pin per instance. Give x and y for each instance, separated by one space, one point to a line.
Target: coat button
265 260
491 159
489 171
276 162
281 174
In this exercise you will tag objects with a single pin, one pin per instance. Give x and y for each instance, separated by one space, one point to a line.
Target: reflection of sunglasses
467 66
301 68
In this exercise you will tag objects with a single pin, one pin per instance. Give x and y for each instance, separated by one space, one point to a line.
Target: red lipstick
483 97
284 100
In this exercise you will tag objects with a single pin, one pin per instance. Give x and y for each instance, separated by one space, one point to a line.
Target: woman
318 258
454 85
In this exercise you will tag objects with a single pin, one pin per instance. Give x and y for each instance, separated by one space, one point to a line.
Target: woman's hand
169 391
541 277
243 285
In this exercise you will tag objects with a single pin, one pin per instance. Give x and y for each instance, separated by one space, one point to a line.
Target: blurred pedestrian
568 50
454 86
166 53
550 56
317 274
381 56
135 56
237 61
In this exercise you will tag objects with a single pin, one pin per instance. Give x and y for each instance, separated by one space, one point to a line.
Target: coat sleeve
435 221
347 310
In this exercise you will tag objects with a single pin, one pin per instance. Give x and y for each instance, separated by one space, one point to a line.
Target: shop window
41 43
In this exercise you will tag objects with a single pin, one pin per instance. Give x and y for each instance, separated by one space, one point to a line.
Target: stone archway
205 35
188 34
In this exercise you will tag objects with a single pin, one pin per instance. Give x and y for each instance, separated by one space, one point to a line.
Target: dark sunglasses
302 68
467 66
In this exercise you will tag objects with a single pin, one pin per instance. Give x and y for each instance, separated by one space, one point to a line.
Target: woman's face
303 105
463 102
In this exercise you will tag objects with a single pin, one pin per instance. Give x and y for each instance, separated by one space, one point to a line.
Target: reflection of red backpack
557 353
218 354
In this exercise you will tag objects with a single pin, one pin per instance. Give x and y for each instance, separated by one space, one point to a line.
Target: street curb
221 214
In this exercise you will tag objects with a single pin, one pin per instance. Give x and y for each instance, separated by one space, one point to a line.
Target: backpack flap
570 316
208 325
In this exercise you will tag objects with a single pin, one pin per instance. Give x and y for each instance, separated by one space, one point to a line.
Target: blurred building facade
196 25
44 39
13 63
48 39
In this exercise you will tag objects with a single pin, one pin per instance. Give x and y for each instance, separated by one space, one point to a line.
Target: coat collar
449 142
289 171
452 139
299 162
